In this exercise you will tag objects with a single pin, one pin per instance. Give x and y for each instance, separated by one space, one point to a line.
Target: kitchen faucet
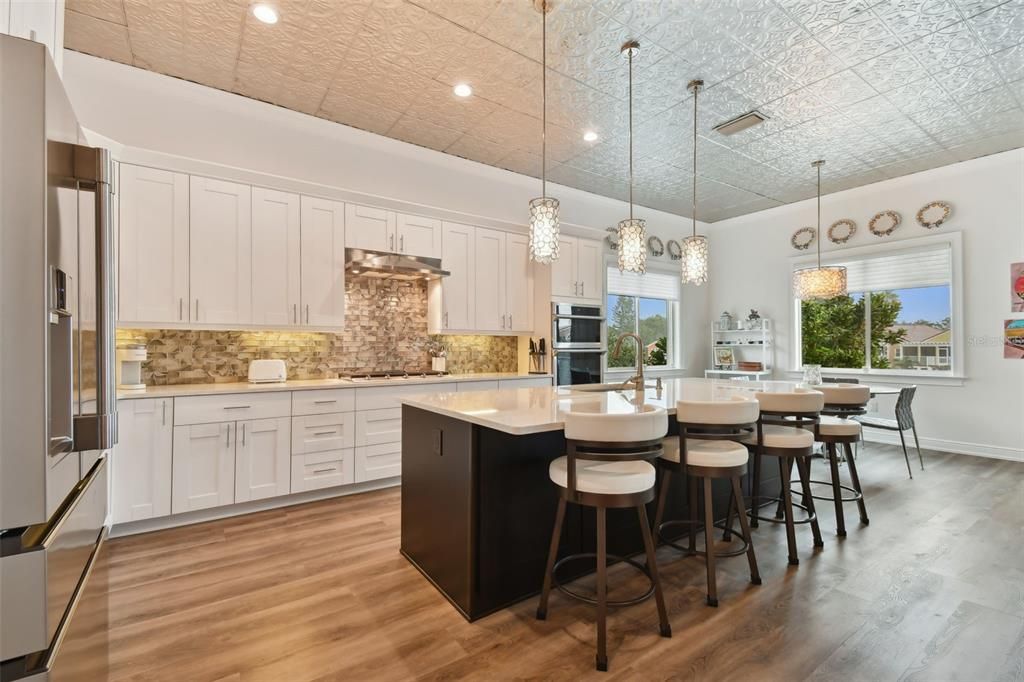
638 379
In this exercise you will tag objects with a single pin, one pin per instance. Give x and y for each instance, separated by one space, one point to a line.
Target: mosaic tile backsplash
385 329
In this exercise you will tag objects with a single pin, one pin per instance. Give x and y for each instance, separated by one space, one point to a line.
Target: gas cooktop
398 375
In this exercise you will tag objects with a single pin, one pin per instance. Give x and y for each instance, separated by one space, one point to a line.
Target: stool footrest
810 518
612 559
686 550
856 497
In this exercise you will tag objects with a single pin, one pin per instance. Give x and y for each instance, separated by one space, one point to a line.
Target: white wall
150 118
750 261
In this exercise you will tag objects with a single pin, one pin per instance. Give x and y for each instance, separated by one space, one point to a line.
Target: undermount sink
605 388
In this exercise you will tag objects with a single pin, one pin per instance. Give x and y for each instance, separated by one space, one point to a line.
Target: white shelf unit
751 345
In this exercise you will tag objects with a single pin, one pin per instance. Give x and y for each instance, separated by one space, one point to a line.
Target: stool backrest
846 395
647 424
734 410
904 415
796 402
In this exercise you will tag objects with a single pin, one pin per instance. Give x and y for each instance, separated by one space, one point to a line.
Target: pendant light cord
630 55
817 237
544 100
695 89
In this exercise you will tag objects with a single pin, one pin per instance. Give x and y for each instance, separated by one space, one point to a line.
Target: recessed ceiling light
589 136
265 13
462 90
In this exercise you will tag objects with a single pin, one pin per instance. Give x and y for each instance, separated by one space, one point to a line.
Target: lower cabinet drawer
376 427
322 470
378 461
323 432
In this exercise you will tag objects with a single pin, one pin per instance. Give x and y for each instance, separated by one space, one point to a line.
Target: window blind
649 285
919 267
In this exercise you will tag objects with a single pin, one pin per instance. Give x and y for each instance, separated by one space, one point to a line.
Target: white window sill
890 376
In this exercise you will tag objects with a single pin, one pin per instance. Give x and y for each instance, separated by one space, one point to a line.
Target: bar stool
832 430
707 448
780 433
606 466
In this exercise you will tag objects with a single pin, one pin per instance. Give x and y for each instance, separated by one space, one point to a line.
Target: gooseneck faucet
638 379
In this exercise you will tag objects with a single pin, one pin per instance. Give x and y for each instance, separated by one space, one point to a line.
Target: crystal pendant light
819 282
633 231
694 265
544 209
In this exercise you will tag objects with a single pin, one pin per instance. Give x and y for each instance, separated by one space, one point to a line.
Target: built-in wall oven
577 332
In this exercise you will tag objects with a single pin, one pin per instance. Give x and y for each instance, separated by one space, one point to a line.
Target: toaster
267 371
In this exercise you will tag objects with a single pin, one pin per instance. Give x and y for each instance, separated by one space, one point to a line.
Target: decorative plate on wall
656 246
841 230
610 239
803 238
934 214
675 251
884 223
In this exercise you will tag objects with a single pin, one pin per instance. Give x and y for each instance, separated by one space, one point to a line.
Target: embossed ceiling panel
880 88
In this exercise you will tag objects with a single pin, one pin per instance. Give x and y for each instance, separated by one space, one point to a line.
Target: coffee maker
129 367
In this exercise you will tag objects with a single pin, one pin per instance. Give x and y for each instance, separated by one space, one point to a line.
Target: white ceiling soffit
879 89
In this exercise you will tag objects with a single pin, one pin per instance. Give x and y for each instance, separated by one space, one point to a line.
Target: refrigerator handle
94 171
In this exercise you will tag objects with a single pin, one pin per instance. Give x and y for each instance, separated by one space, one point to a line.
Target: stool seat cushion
706 453
835 426
605 478
782 437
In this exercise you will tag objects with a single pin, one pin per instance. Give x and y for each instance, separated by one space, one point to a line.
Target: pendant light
694 264
819 282
632 231
544 209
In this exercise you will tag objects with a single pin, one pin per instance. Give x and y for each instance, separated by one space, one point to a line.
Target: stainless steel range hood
384 265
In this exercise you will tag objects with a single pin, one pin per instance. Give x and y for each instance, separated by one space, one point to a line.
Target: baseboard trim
204 515
954 446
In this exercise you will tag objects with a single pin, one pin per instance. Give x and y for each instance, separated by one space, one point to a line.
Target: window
898 314
644 305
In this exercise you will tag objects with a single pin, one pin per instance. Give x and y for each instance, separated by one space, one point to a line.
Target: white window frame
957 347
675 345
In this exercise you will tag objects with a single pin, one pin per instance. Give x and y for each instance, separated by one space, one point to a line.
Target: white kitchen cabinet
418 236
374 462
153 245
220 251
518 283
276 281
323 263
262 459
376 427
577 274
203 469
458 253
321 432
38 20
369 228
322 470
142 460
489 280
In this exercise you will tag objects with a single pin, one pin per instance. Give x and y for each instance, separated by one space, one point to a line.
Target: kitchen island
477 503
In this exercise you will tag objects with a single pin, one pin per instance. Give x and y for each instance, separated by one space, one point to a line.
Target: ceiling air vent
741 123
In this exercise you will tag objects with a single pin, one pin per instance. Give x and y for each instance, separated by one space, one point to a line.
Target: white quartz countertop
534 410
180 390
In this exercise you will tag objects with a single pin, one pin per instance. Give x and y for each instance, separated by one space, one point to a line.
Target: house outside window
646 305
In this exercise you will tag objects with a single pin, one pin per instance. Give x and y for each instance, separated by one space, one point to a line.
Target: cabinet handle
510 320
227 436
237 407
163 415
181 302
324 402
307 313
243 435
197 310
446 319
401 243
295 313
392 242
324 433
583 288
323 471
502 321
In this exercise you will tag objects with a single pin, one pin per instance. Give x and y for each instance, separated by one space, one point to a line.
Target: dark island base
478 509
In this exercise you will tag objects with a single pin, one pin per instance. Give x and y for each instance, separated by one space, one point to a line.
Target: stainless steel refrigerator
58 417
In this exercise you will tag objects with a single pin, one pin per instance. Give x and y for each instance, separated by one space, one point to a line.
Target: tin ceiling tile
1000 27
339 106
891 69
1010 62
466 13
913 19
98 37
947 48
476 149
425 134
107 10
819 16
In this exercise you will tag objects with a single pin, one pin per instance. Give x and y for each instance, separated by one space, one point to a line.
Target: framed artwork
724 358
1017 287
1013 339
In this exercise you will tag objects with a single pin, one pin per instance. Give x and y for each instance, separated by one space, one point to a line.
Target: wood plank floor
933 589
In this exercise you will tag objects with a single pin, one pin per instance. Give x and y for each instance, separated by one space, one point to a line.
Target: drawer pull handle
324 471
325 433
238 407
324 402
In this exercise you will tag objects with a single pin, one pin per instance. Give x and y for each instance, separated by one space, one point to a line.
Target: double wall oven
577 332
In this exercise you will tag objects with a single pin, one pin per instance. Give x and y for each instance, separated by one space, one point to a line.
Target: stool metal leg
727 532
556 535
755 491
837 492
741 512
652 566
803 467
787 498
694 514
856 486
659 512
602 590
905 455
709 543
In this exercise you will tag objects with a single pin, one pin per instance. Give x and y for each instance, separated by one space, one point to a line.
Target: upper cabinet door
419 236
323 263
275 257
564 282
489 290
588 269
457 251
370 228
519 283
220 249
153 249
